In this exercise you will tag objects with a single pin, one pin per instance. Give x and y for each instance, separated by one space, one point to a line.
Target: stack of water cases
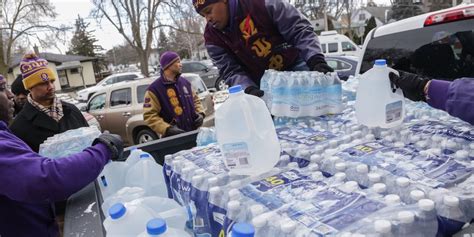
338 178
300 94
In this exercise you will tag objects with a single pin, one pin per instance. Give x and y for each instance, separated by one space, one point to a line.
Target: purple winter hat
167 59
201 4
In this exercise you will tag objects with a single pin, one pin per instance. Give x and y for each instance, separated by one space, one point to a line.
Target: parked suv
85 94
119 108
210 75
437 45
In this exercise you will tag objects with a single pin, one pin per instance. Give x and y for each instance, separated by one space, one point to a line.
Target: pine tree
163 42
83 42
369 26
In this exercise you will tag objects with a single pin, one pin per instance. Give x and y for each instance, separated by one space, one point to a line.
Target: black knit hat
18 87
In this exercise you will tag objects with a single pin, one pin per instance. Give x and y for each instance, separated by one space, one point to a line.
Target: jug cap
145 155
117 210
235 89
243 230
380 62
156 226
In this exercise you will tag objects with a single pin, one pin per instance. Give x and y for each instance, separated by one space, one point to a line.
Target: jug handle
396 73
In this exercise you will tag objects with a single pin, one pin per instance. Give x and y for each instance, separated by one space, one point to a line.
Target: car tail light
449 16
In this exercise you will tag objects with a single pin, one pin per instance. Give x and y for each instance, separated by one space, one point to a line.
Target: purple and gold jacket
30 183
456 97
261 34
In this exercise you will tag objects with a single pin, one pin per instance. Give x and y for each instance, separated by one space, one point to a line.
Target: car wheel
145 135
221 85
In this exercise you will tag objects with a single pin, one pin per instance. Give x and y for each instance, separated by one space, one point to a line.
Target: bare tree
350 6
24 21
135 20
315 9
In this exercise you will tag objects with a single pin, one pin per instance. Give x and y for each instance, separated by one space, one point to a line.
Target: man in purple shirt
455 97
30 183
246 37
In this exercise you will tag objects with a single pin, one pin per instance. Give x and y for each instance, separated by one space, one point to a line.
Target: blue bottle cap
235 89
243 230
156 226
144 155
380 62
117 210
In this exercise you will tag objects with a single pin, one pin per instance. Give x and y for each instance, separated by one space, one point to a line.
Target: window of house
120 97
74 70
362 17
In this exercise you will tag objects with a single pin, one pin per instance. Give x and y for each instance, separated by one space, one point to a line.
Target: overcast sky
105 32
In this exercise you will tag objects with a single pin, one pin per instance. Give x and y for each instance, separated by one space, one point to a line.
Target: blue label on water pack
167 175
322 209
201 225
216 216
306 136
447 130
433 171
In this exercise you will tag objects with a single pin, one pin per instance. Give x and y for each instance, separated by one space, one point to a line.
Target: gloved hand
252 90
113 142
412 85
198 121
317 63
173 130
322 67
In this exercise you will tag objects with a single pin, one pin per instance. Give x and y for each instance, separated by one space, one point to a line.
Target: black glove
317 64
173 130
252 90
412 85
198 121
113 142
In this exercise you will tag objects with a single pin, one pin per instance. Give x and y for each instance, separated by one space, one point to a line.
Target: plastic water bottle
383 228
376 105
415 196
406 225
111 179
243 230
147 174
126 220
246 134
158 227
402 188
451 218
426 219
392 199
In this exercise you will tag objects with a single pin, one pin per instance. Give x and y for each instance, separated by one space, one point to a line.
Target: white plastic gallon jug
112 178
147 174
158 227
174 214
246 134
126 220
376 105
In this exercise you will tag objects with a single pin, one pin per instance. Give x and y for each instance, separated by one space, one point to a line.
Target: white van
334 44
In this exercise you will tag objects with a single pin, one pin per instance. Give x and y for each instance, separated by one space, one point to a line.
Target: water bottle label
445 130
236 155
217 221
433 171
306 136
322 209
393 112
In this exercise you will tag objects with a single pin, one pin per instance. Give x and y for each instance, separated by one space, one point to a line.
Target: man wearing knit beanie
20 93
246 37
171 106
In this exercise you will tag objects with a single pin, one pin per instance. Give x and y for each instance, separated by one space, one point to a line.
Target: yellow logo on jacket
171 93
247 27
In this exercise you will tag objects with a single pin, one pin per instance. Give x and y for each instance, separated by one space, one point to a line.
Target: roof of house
53 58
378 12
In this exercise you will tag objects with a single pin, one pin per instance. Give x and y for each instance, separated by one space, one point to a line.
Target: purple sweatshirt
456 97
282 18
30 183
